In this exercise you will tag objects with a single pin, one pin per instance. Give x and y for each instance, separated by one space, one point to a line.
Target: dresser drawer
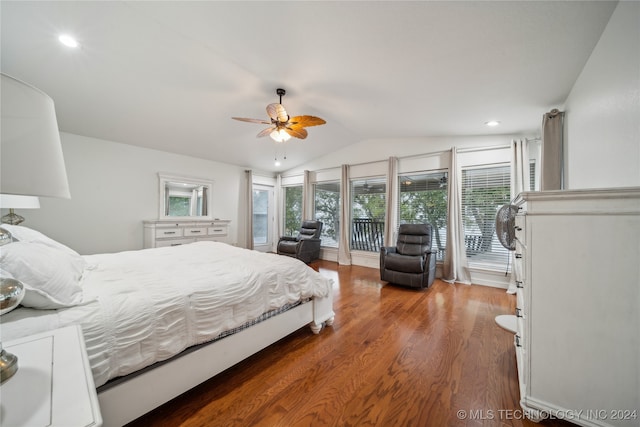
522 374
520 332
173 242
195 231
217 231
168 232
520 234
520 299
518 268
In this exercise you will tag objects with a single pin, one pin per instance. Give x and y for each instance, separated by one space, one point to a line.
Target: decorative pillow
51 276
25 234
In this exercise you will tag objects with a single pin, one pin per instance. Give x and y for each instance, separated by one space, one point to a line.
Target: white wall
602 112
114 187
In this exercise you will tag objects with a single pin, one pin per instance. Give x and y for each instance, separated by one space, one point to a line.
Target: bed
157 322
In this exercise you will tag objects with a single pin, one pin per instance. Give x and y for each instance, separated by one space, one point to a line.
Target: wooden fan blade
296 132
242 119
306 121
266 132
277 113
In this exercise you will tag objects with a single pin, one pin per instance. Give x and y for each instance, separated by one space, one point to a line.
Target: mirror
184 197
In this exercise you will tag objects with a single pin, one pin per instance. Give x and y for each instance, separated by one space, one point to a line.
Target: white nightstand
53 386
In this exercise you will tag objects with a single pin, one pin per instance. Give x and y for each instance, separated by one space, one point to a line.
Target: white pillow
51 276
25 234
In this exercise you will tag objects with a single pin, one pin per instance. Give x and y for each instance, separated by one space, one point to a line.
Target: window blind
484 190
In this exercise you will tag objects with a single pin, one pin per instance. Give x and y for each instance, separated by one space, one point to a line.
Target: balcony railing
367 234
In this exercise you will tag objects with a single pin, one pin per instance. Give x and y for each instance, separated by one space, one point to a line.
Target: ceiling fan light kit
282 127
280 135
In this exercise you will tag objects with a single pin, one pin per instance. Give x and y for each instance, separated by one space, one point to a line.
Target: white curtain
205 201
193 205
519 167
455 267
249 216
519 183
167 204
392 202
278 206
552 165
307 197
344 252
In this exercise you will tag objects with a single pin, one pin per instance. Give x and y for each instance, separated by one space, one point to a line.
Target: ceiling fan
282 126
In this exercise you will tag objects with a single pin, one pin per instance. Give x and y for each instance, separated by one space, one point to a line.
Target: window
532 176
292 210
262 217
179 206
368 204
423 198
326 200
484 190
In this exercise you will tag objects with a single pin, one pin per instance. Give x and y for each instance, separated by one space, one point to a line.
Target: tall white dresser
578 300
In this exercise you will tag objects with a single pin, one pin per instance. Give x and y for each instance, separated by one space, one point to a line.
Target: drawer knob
169 232
518 256
519 284
518 312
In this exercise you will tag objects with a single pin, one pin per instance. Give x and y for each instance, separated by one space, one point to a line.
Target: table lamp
31 164
12 201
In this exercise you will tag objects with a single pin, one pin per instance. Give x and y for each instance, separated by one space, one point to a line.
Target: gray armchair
411 262
306 245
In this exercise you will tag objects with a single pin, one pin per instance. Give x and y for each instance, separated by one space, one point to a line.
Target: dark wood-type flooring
394 357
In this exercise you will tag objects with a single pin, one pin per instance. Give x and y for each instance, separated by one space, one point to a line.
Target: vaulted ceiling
169 75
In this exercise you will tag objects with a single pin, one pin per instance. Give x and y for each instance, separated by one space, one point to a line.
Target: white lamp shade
31 157
18 202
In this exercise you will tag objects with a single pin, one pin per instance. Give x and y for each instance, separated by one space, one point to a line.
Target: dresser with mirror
184 213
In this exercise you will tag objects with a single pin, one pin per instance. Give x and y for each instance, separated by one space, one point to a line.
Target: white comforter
141 307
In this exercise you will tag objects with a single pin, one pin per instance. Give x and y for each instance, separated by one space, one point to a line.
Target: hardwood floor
394 357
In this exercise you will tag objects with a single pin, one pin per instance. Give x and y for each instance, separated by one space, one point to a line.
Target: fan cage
506 226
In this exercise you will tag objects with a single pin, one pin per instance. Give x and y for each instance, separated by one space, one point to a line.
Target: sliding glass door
262 218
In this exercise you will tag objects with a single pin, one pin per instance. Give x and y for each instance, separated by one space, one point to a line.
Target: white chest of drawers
171 233
578 302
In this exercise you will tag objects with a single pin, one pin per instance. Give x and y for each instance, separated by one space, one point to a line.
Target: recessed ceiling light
492 123
67 40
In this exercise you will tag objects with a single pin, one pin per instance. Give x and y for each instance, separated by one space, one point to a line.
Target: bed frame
125 400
